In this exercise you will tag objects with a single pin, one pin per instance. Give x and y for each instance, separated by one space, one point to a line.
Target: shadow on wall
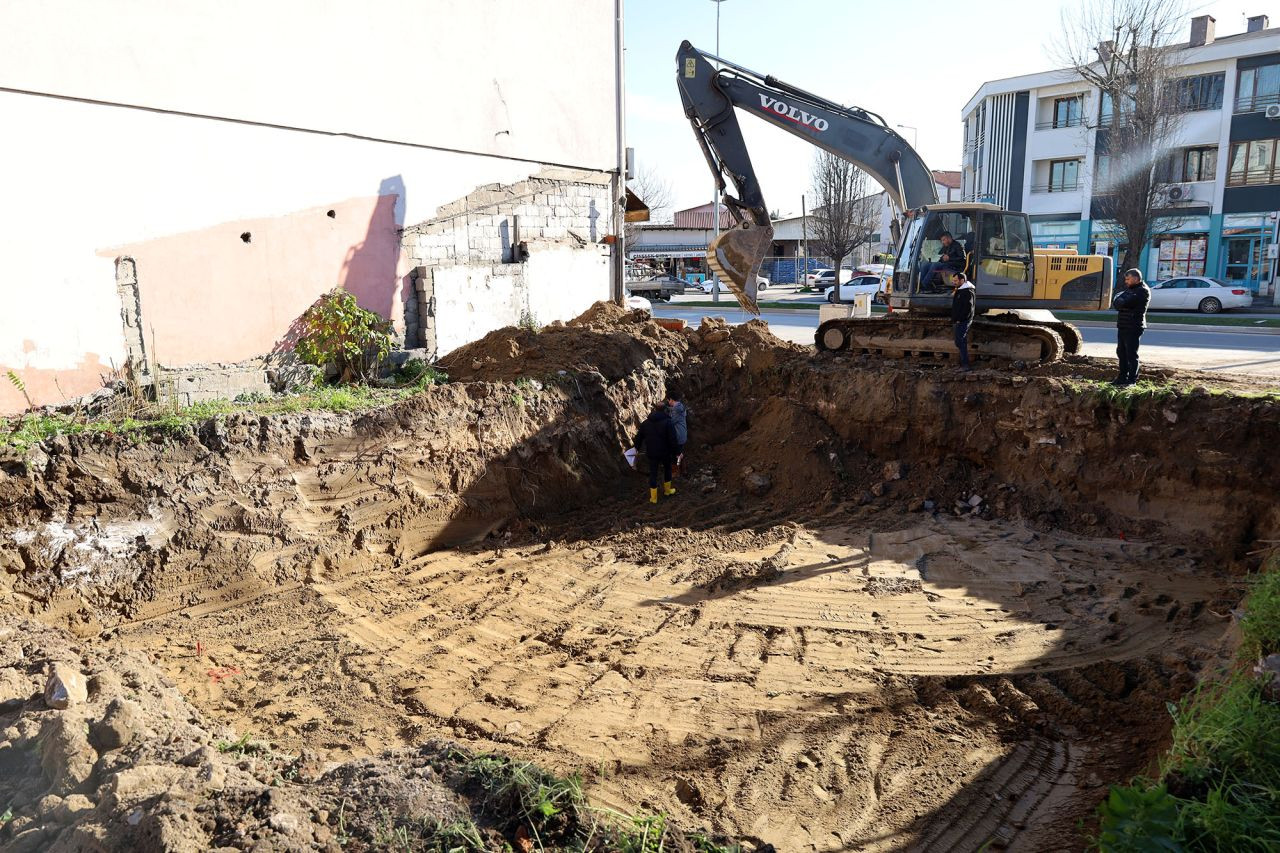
369 269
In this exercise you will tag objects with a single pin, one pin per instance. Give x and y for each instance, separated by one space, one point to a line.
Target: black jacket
952 257
963 304
657 436
1131 307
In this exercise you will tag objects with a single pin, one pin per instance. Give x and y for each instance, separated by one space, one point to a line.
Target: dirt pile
889 605
130 765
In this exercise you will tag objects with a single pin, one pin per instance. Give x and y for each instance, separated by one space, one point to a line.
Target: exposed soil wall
889 606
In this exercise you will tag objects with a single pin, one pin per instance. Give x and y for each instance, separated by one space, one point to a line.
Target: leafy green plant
1138 819
528 322
16 381
337 331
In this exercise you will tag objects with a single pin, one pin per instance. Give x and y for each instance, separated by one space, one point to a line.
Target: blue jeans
962 342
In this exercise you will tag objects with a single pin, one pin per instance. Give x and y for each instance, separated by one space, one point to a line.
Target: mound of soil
606 340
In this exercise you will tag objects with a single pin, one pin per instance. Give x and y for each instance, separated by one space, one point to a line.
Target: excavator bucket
735 256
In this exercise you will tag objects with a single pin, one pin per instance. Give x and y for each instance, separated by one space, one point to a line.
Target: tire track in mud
838 699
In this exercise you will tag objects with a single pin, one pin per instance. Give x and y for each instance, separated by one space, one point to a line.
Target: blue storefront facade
1233 247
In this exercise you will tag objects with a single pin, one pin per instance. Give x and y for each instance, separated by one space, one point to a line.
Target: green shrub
1137 819
338 331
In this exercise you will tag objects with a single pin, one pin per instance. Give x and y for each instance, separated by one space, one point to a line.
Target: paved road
1215 350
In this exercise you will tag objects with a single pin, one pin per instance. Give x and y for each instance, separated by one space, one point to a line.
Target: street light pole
913 133
715 207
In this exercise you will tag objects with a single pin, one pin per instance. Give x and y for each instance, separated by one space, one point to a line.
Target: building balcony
1059 125
1037 189
1256 104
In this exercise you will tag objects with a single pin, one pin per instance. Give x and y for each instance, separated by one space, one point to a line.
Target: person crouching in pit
657 439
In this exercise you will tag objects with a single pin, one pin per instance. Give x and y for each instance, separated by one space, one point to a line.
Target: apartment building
1036 143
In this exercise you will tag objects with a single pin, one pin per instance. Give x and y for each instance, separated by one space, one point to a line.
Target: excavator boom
710 95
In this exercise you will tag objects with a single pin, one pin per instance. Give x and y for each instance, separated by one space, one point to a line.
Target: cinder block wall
474 264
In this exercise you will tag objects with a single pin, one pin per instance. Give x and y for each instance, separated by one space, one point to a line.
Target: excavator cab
995 243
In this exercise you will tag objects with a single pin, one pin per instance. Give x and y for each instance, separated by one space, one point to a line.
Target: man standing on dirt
963 307
1131 319
657 438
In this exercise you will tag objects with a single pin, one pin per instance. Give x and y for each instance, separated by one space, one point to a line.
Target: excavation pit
889 607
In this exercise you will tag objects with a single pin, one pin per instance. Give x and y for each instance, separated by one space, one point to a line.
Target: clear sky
915 62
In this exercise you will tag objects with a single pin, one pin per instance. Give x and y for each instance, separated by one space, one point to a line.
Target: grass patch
1261 623
1218 787
1126 397
555 815
26 431
1145 390
244 745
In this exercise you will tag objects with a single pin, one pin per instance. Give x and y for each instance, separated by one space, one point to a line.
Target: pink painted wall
208 296
50 386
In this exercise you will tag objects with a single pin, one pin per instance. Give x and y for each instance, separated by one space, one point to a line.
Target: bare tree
656 193
845 215
1125 49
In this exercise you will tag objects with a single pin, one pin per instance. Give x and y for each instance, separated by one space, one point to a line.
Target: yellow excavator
1016 285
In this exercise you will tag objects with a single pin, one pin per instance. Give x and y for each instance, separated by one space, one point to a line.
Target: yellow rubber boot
653 496
668 489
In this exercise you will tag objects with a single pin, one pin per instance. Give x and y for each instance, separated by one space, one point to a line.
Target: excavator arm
710 95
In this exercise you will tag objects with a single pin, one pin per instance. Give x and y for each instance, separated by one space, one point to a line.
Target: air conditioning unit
1177 192
1273 111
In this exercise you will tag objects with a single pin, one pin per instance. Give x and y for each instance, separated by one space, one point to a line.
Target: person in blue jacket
680 420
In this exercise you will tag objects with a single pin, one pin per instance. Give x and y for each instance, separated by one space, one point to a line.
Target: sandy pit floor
822 687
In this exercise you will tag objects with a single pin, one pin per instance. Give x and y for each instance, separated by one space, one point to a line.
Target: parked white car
1198 293
639 302
826 278
872 285
762 283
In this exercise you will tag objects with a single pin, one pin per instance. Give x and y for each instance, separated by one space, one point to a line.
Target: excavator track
904 336
1071 337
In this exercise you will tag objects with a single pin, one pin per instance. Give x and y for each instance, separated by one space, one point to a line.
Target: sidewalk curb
1181 327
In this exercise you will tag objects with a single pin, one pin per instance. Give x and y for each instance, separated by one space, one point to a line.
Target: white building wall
240 116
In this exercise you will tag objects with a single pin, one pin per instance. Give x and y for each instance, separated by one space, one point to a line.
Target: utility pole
804 231
715 207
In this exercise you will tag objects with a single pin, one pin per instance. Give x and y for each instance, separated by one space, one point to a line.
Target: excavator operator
950 259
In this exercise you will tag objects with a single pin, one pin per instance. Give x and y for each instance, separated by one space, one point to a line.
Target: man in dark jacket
657 438
1131 319
963 306
950 259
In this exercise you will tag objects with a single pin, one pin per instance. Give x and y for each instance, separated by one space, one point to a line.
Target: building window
1203 92
1199 164
1101 171
1258 88
1253 163
1064 175
1066 111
